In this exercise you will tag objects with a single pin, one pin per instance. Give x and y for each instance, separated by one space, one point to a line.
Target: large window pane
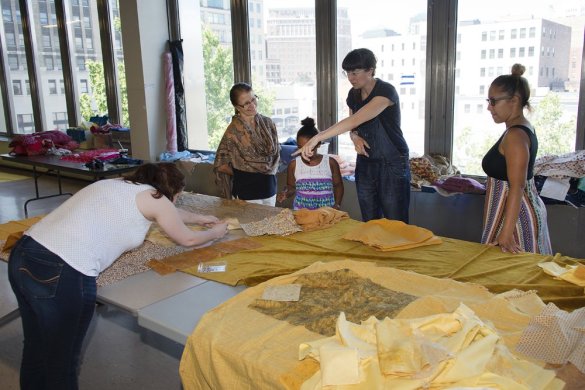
397 36
119 59
16 67
208 70
548 41
283 59
48 58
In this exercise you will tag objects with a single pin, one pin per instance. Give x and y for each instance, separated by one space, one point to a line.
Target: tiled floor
119 354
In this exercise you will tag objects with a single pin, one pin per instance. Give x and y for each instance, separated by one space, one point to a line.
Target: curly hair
165 177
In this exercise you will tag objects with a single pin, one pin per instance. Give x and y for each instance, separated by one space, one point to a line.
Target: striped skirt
531 231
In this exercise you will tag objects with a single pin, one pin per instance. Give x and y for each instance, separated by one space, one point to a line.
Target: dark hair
359 59
236 90
308 130
165 177
515 84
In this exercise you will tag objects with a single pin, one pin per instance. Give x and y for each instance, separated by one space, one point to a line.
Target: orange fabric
320 218
389 235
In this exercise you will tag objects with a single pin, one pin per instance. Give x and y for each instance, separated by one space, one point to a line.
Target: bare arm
516 149
291 183
367 112
199 219
226 168
164 212
337 182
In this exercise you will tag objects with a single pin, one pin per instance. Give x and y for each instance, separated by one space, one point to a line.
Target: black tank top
494 162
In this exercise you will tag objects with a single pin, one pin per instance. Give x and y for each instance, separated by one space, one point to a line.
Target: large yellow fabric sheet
236 347
456 259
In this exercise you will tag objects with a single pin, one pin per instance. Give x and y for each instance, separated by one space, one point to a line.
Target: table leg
37 197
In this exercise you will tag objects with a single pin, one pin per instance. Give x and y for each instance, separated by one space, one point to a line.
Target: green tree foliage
95 102
219 70
556 135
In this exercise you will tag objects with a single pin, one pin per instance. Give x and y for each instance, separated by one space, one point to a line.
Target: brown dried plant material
325 294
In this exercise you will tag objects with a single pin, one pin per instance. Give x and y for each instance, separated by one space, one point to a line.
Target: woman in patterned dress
514 214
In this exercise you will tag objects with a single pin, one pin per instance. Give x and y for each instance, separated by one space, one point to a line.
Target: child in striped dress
315 183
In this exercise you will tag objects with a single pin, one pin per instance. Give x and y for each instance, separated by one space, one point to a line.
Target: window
13 61
60 120
83 86
62 85
53 87
408 27
25 123
27 86
17 87
556 91
49 64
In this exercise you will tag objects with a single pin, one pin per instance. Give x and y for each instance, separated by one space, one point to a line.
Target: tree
219 70
556 135
95 102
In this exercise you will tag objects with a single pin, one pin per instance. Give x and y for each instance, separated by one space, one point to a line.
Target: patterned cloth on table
281 224
555 336
314 185
531 231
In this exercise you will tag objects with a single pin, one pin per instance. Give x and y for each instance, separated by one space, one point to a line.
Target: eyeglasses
353 73
246 105
492 101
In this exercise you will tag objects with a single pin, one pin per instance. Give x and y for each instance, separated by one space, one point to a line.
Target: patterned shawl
247 149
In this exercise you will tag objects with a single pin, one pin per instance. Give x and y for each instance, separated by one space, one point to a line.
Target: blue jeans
56 305
383 188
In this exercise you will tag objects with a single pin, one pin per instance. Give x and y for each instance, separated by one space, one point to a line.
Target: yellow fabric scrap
390 235
439 351
8 228
571 273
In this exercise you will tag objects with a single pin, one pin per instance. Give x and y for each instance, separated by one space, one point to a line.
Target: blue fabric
56 305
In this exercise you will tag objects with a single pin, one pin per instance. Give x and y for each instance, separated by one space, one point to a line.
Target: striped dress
531 231
314 185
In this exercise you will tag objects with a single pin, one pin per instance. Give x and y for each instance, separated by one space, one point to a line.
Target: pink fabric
39 143
102 154
170 106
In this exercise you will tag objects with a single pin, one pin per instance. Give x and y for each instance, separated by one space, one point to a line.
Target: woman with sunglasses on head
514 214
247 157
382 171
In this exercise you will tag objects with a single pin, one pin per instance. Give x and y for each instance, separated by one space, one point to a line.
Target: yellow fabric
320 218
437 351
574 274
8 228
460 260
388 235
234 346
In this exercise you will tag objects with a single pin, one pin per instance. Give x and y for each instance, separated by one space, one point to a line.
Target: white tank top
95 226
319 171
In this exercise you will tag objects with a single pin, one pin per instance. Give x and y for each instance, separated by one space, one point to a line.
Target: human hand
308 149
360 145
220 229
281 197
507 243
207 220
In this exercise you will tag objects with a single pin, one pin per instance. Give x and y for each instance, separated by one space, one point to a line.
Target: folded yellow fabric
387 235
320 218
447 350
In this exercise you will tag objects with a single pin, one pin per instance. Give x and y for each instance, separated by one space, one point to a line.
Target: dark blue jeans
56 305
383 188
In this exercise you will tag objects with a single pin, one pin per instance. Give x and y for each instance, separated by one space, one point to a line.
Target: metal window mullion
440 76
173 20
241 40
113 95
6 88
36 90
326 47
580 136
71 91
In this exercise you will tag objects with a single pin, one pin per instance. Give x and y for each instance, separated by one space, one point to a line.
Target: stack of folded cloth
390 235
320 218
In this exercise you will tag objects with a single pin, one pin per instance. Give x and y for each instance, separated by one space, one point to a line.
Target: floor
119 354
